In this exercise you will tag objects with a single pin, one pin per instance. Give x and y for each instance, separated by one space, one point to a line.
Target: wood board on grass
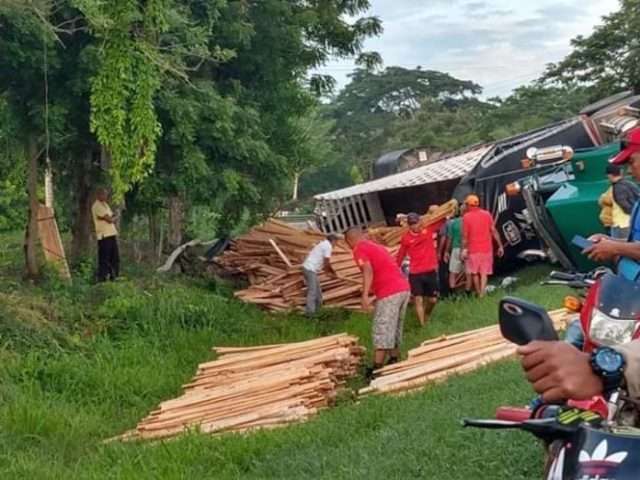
437 359
256 387
51 241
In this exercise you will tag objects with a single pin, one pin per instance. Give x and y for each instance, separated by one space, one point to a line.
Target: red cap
630 145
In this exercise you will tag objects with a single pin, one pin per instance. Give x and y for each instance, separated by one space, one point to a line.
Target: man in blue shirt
606 248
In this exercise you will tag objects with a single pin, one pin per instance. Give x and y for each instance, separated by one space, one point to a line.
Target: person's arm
445 252
605 249
367 281
465 241
402 252
102 215
626 196
559 371
631 354
498 240
328 267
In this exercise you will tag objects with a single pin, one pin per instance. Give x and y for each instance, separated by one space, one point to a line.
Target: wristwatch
608 364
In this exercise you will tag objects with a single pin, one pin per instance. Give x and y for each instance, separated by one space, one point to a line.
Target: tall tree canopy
199 100
608 60
366 111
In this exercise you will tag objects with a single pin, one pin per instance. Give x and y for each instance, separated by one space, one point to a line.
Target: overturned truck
487 169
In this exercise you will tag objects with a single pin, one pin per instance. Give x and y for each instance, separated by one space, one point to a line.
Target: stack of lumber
256 387
438 359
271 256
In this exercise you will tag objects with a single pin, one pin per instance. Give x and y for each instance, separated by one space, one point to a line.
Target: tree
373 102
608 60
232 136
312 148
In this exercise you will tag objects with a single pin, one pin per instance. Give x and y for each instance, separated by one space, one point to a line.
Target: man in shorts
478 233
453 251
419 245
381 275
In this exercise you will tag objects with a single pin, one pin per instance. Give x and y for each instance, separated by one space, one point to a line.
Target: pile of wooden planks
256 387
438 359
271 256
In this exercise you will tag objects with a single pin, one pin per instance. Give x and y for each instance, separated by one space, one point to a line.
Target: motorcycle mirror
522 322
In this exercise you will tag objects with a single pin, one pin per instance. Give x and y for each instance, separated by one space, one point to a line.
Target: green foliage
608 60
372 106
13 199
134 342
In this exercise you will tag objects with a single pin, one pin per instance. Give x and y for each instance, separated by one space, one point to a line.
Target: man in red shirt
419 245
382 276
478 233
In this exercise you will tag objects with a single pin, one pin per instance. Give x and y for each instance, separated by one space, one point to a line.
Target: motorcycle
582 443
609 308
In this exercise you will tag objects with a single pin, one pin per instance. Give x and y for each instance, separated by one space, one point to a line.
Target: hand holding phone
581 242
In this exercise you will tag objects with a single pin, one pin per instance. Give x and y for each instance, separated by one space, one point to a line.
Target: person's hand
500 251
464 254
598 237
366 304
559 371
446 257
601 251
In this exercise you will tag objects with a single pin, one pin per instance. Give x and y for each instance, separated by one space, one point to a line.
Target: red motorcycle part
596 404
513 414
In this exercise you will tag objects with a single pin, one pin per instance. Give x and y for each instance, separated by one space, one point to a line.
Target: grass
82 363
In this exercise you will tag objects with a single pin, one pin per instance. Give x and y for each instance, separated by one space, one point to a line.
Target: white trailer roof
448 169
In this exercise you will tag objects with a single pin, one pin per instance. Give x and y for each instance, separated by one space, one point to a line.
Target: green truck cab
564 202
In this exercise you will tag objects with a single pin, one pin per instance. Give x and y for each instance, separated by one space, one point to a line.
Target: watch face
609 360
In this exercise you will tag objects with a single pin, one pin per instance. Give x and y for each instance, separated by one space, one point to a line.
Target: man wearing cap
317 260
478 233
625 194
606 248
382 277
419 245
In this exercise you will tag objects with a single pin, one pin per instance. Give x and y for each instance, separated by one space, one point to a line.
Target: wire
46 98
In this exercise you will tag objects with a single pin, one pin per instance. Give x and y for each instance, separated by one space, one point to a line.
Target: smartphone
581 242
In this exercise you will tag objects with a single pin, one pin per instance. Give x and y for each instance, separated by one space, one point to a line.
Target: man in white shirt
317 260
105 225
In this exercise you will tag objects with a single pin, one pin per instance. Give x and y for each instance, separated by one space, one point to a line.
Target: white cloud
490 42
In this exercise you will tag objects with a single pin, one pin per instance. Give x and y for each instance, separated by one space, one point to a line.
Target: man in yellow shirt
107 235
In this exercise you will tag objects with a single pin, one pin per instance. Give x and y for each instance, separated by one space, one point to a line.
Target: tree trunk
31 234
296 182
82 227
154 232
176 221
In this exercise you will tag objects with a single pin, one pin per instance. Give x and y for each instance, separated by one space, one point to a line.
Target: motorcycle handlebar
563 276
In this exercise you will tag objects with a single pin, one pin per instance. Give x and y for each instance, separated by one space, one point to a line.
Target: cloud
487 41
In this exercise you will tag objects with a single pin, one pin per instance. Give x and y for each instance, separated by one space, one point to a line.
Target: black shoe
369 372
393 360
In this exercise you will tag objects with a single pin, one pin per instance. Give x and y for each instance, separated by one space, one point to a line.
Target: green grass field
82 363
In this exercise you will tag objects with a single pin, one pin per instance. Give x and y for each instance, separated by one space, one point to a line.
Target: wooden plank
280 253
51 241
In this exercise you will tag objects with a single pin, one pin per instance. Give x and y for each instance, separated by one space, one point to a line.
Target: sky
500 44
